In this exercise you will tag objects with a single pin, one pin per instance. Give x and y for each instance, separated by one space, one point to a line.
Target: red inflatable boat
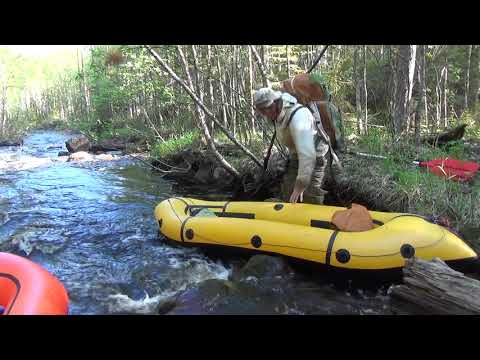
28 289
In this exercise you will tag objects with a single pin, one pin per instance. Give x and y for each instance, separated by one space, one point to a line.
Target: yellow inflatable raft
304 232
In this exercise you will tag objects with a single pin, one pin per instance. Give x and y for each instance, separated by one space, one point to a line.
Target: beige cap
265 97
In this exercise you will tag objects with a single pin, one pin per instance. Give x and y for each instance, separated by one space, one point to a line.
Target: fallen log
437 289
446 136
109 145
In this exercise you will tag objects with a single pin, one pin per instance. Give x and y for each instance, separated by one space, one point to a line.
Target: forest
124 90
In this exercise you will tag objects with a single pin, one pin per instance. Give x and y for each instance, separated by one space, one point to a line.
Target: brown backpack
306 88
357 218
311 88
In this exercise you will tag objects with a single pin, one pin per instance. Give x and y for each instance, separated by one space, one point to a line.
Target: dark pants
314 194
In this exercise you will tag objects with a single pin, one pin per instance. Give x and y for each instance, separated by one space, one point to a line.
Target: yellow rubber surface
287 229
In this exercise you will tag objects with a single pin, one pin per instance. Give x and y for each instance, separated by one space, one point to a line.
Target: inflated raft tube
28 289
304 232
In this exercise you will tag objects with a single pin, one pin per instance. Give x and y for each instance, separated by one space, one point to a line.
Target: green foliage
473 124
374 142
160 150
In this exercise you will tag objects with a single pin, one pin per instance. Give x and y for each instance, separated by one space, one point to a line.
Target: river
91 224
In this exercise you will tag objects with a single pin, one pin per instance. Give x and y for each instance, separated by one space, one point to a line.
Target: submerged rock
123 304
226 297
267 285
264 266
47 242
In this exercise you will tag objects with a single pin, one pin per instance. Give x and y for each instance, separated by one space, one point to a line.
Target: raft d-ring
256 241
189 234
407 251
343 256
278 207
160 223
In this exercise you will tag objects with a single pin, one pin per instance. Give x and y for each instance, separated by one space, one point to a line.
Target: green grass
422 192
160 150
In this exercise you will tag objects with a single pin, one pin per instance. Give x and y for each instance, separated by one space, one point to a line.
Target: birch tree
404 71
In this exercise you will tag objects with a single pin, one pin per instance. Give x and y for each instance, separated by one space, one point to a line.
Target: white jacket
299 137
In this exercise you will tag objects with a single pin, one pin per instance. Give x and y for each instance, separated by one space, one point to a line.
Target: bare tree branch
201 105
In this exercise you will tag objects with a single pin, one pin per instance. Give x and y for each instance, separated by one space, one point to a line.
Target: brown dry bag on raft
357 218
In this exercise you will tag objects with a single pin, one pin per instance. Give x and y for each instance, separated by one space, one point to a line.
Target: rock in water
264 266
63 153
80 143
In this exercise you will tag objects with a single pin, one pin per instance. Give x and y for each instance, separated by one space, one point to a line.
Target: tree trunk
198 81
288 61
445 103
265 58
250 91
210 84
201 115
80 89
474 79
365 94
467 77
411 70
222 90
437 101
437 289
233 86
421 111
358 89
261 67
4 112
404 71
165 66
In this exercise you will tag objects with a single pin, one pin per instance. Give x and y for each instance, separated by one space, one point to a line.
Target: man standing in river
308 152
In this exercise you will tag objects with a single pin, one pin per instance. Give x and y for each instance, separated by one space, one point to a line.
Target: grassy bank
394 184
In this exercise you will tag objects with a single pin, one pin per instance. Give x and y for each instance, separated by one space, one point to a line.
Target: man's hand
297 193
